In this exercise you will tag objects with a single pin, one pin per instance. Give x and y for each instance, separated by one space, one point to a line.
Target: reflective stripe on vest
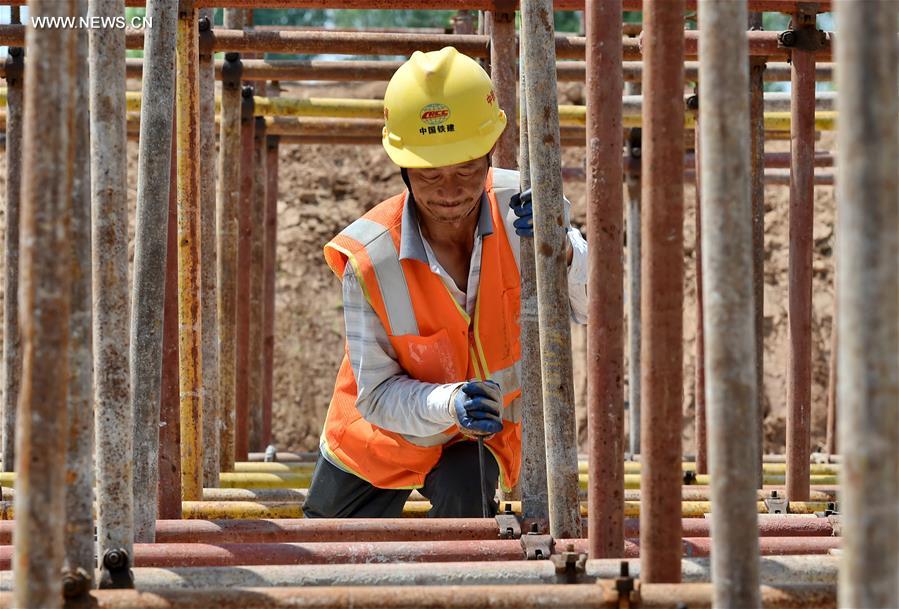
382 252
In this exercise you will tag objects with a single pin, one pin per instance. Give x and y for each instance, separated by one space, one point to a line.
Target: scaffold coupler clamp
115 572
571 564
271 454
536 545
76 583
832 509
776 504
628 588
689 477
509 524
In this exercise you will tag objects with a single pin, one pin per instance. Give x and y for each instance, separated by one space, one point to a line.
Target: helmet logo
434 114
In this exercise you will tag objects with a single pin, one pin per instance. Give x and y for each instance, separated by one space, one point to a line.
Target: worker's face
449 194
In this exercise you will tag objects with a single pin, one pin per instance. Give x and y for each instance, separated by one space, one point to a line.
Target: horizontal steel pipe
775 570
603 595
225 554
761 43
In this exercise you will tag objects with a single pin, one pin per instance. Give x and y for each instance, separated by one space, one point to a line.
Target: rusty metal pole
757 67
868 307
552 278
605 284
702 462
45 293
109 216
211 416
662 278
463 22
245 232
79 528
802 186
227 202
534 498
728 301
257 288
169 494
270 265
190 367
12 353
150 238
502 73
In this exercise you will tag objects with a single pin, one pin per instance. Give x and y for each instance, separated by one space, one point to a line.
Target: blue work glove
523 207
477 406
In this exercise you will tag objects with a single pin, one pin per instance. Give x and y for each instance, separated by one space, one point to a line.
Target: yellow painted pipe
825 120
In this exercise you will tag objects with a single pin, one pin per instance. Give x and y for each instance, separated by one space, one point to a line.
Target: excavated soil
324 188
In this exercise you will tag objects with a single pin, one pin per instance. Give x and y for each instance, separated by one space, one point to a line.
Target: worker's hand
523 207
476 407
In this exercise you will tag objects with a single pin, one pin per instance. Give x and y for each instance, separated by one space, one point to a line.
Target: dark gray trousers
453 488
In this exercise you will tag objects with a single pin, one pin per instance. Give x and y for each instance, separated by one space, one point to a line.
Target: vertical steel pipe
868 306
45 293
463 22
244 241
150 238
728 300
605 283
170 412
633 236
550 243
702 462
190 357
79 528
662 275
211 416
257 287
12 353
830 437
502 73
534 498
270 265
802 185
757 68
227 201
109 216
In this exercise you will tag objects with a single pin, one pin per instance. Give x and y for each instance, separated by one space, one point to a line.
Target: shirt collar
411 242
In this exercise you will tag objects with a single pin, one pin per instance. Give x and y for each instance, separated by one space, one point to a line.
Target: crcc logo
435 114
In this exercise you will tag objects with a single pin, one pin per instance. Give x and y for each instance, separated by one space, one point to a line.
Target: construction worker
431 304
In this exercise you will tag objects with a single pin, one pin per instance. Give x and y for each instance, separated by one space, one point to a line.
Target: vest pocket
429 358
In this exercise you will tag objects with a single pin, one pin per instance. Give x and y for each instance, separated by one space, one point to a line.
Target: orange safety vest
435 341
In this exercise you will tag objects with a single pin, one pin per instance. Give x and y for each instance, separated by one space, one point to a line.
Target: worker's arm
520 218
387 397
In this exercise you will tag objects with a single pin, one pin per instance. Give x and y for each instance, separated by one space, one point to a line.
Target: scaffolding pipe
632 239
503 48
270 265
785 570
190 357
534 494
830 425
244 247
44 296
550 243
109 216
662 271
699 417
257 287
169 487
209 335
151 226
79 561
227 203
729 337
605 284
758 71
12 353
799 377
868 306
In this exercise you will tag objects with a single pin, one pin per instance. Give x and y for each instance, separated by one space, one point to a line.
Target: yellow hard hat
440 109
